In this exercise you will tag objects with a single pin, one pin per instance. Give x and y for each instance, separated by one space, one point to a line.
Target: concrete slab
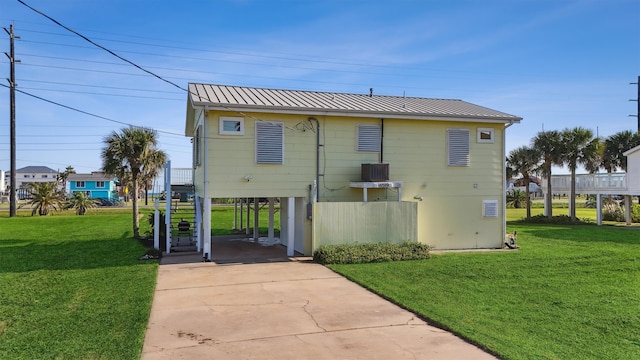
286 310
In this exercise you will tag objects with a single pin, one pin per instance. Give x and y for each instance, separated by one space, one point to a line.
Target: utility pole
637 100
12 101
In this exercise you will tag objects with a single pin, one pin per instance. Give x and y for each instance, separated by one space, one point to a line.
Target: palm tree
44 197
614 146
524 161
132 155
549 146
81 203
579 148
63 176
515 199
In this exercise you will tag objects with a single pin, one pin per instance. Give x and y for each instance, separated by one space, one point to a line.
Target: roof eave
356 113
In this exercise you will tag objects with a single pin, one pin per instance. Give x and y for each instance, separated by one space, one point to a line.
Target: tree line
568 147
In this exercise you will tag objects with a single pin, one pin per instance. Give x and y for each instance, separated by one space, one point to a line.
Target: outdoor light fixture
248 177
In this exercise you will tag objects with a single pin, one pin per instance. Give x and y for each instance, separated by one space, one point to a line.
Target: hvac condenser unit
375 172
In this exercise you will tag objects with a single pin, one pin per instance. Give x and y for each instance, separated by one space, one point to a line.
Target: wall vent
490 208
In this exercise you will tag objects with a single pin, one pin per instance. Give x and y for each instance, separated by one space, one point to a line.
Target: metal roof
238 98
98 176
36 169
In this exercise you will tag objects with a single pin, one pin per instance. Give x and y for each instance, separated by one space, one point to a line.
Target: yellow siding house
353 167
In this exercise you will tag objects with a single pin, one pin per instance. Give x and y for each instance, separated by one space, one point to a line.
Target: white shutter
368 137
269 142
458 147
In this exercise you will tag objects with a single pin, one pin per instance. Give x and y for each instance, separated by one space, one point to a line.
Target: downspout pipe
504 180
381 140
207 202
317 157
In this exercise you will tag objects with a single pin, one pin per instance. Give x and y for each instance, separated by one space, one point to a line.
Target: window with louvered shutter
458 147
269 143
368 137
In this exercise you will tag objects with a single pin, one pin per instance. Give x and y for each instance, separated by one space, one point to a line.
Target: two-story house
96 185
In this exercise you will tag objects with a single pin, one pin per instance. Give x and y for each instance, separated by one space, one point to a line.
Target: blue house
96 185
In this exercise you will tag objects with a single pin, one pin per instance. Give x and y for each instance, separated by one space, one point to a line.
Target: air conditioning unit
375 172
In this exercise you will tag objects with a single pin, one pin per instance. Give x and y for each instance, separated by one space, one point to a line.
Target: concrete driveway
290 309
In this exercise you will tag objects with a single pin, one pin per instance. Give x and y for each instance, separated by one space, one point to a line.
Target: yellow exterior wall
450 214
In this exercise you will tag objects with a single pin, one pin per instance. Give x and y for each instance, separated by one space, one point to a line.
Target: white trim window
368 137
486 135
458 147
269 142
80 184
231 125
100 184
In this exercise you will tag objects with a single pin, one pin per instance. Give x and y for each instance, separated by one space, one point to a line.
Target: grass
570 292
72 287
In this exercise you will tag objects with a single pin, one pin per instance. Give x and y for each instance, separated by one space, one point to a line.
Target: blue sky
555 63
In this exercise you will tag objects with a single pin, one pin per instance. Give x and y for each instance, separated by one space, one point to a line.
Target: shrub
371 252
557 219
616 213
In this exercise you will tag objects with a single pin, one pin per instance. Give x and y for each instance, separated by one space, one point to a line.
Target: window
100 184
45 176
79 184
458 147
231 125
27 176
196 146
368 137
485 135
269 142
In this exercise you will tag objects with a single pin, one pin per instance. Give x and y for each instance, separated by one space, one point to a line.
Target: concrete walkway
288 309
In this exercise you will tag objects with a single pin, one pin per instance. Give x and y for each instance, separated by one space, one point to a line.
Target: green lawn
72 287
570 292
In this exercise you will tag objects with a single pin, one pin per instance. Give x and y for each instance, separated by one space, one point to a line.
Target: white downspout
504 180
206 208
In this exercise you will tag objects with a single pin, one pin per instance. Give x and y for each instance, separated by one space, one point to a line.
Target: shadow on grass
29 255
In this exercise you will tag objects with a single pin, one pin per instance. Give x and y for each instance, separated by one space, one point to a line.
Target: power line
88 113
103 48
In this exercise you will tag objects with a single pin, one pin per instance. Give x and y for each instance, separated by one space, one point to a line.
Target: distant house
633 170
96 185
353 167
30 174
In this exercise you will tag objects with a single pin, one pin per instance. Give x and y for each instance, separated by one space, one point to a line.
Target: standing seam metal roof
261 99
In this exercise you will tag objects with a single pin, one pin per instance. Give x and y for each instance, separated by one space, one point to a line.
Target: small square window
79 184
231 125
485 135
100 184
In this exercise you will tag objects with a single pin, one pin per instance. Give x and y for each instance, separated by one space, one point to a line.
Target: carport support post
256 219
206 225
291 220
271 218
248 216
